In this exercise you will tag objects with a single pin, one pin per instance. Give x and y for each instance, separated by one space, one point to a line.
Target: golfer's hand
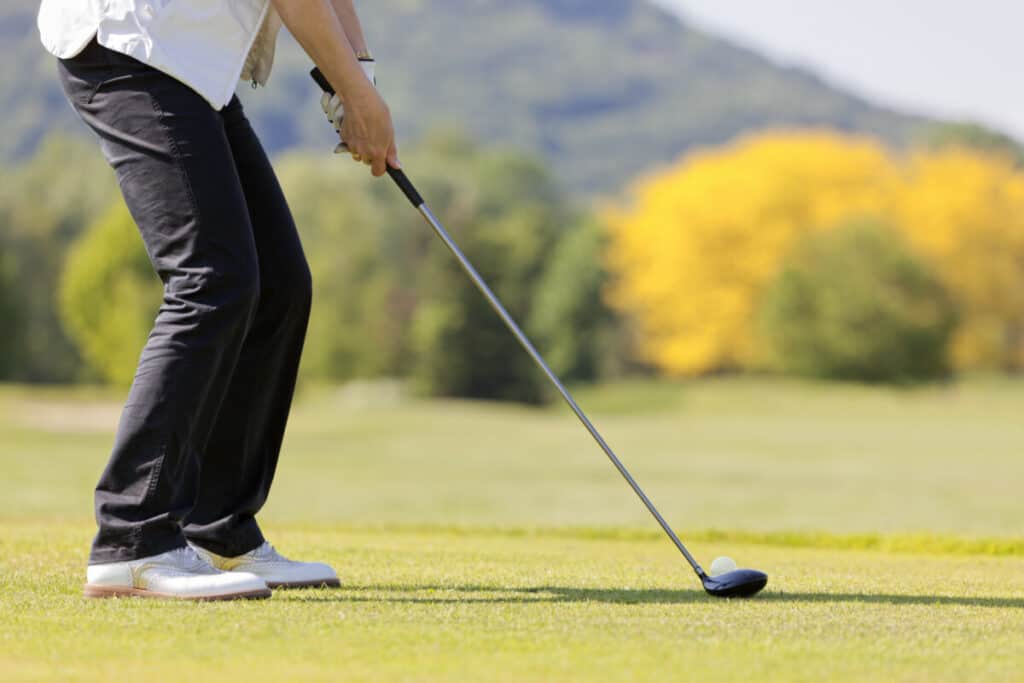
332 105
367 129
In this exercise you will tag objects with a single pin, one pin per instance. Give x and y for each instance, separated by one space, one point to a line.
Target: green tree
569 318
109 295
509 216
10 312
45 203
856 304
389 300
361 244
463 348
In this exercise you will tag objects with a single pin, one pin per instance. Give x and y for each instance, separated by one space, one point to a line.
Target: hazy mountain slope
604 90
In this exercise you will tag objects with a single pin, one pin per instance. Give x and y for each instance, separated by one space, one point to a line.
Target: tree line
79 294
802 252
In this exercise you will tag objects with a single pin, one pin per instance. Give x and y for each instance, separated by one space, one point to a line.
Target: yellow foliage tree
964 212
700 241
109 295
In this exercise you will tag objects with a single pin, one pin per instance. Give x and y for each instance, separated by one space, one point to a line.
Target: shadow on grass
474 594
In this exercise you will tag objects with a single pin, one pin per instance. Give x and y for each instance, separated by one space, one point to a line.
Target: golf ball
722 565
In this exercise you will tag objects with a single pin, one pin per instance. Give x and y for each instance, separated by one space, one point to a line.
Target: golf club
736 583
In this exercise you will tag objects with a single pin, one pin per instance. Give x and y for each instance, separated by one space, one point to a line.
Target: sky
945 58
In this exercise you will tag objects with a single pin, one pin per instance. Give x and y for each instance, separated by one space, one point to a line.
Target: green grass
736 454
487 542
436 606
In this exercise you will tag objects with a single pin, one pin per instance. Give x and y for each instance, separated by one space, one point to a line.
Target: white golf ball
722 565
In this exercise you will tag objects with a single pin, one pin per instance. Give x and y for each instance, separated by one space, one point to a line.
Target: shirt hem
240 66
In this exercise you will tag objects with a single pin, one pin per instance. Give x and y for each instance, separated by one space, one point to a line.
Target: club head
739 583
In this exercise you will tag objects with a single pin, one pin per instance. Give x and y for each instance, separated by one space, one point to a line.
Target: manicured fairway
487 542
431 605
734 454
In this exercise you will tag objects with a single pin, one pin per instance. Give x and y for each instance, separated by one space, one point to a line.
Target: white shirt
206 44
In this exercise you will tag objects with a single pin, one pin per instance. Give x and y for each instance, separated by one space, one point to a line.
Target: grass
734 454
437 606
486 542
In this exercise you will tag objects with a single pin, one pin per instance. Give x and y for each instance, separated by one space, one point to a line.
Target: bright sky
942 57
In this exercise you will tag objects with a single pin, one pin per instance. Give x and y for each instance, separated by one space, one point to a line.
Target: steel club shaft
410 192
414 197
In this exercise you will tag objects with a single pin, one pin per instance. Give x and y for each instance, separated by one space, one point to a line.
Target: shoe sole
287 585
91 591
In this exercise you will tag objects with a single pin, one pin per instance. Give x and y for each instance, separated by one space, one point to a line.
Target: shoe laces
267 553
188 559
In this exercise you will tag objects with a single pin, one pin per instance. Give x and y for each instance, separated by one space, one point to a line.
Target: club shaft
410 192
524 341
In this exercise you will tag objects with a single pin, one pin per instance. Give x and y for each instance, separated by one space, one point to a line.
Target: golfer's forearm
319 31
346 12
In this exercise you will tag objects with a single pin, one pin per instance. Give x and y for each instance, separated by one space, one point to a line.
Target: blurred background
777 247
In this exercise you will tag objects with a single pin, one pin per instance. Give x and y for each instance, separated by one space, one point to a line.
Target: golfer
198 440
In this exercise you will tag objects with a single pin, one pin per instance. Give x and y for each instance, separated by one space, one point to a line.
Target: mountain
604 90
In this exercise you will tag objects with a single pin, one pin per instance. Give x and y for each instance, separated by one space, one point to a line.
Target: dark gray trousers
199 437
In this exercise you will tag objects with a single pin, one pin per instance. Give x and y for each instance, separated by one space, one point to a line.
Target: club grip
406 186
322 81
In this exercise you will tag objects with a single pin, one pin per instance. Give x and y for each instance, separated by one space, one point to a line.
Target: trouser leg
241 456
176 170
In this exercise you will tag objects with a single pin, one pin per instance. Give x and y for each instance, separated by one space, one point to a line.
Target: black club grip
402 180
322 81
406 186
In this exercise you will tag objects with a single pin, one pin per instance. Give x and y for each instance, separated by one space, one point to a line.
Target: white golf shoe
278 571
180 574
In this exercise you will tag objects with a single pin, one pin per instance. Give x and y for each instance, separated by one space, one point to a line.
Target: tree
389 300
10 312
109 295
507 215
361 290
855 303
44 205
463 348
964 212
572 323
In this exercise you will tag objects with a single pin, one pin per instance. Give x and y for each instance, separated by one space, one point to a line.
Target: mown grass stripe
908 543
903 543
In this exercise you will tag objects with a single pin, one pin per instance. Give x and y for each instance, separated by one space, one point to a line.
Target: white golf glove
332 106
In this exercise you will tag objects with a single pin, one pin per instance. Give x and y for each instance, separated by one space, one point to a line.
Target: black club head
739 583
